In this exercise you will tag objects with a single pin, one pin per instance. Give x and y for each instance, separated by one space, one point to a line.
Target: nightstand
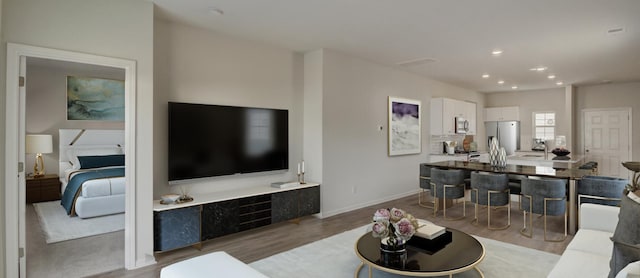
46 188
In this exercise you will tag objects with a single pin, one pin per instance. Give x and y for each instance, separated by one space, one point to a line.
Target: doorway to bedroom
68 244
80 108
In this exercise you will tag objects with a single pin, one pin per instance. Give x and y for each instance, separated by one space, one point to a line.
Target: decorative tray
179 201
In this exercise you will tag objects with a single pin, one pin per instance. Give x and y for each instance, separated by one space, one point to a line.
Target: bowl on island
560 152
169 198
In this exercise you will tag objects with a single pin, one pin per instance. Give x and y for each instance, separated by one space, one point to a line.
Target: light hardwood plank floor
253 245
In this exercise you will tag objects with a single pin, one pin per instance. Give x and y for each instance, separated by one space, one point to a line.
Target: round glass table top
462 253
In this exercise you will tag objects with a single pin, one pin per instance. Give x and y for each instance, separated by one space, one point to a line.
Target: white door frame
627 109
13 216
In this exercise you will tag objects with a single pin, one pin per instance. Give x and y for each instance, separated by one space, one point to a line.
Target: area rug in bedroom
334 257
58 226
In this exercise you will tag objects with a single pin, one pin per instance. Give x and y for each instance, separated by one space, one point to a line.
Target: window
544 125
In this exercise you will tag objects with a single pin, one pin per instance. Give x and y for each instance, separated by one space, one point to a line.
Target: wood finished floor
253 245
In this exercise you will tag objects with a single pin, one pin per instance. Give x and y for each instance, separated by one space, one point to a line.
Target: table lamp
39 144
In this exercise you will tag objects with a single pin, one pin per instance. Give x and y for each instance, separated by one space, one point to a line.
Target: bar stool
447 184
491 190
425 184
546 197
600 190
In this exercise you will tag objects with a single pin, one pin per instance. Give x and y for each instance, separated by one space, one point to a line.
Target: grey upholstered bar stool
425 184
491 190
600 190
545 197
447 184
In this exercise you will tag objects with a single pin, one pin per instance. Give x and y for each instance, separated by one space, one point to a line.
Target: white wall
46 95
616 95
118 28
199 66
550 100
3 66
357 170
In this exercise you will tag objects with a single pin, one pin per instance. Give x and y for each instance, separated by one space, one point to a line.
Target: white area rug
58 226
335 257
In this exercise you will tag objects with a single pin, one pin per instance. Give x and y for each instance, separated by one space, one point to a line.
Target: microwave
462 125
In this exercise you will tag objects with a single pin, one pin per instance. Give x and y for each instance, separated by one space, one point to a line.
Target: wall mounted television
215 140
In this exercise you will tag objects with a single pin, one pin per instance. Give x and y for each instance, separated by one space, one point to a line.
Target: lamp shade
39 143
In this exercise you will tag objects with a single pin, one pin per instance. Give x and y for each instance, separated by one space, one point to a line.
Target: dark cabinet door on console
284 205
176 228
220 218
309 201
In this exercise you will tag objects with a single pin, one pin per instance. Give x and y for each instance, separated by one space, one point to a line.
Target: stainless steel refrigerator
508 134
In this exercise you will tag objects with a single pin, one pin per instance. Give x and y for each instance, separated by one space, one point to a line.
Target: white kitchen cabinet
470 115
444 112
507 113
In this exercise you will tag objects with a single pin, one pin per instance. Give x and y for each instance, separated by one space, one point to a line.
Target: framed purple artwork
404 126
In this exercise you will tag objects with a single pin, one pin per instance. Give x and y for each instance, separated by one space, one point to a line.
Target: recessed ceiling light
514 87
216 11
551 76
538 69
559 83
500 82
496 52
486 75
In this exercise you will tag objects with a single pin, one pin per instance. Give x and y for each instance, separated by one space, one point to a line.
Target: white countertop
228 195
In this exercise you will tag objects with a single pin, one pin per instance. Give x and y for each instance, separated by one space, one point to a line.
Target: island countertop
559 170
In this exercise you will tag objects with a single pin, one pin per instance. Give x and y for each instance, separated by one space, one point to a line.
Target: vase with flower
394 227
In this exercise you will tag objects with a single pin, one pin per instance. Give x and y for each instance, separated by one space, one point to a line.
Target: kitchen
566 107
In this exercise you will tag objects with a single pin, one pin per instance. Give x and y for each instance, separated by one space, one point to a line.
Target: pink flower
396 214
404 228
381 215
380 229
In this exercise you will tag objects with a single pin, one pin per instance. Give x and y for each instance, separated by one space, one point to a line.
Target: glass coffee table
461 254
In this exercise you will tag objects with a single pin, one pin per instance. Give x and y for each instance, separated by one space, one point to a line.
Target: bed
92 171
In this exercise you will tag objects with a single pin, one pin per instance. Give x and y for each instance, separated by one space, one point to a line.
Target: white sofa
589 253
216 264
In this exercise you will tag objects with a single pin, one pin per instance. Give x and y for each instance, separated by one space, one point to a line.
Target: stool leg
545 220
489 192
475 218
444 211
524 213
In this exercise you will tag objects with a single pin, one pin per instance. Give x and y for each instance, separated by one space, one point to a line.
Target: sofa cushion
592 241
216 264
632 270
574 263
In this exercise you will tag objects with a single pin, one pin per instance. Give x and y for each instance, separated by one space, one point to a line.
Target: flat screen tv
216 140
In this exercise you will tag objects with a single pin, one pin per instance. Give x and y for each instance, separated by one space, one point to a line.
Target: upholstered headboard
101 141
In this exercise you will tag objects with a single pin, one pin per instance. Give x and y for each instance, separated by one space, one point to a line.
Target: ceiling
579 41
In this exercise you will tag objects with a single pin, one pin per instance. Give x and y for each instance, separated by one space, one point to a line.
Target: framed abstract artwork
404 126
95 99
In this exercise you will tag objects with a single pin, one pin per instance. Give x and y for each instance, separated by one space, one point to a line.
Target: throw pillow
99 161
626 237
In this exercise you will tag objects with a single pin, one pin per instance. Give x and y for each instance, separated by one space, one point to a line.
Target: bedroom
52 235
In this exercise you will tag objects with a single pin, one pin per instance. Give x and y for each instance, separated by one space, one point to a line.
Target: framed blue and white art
95 99
404 126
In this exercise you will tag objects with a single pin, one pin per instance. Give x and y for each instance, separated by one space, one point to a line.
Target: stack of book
429 230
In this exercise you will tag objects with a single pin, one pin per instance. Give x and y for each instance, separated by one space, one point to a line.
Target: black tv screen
215 140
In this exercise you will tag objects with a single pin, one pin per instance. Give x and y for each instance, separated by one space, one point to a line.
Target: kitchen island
568 171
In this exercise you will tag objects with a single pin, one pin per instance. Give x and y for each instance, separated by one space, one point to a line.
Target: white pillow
87 151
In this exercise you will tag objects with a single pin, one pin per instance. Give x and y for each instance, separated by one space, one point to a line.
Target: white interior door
607 140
